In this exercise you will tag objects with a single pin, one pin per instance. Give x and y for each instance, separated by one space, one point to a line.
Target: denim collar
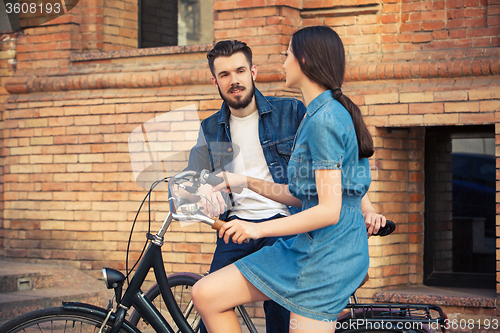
263 106
318 102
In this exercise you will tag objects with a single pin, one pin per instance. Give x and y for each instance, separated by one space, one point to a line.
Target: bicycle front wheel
58 320
180 285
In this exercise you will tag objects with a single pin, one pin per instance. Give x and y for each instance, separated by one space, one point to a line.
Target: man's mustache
237 87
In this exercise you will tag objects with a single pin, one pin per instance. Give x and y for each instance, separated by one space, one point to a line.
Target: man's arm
199 159
199 156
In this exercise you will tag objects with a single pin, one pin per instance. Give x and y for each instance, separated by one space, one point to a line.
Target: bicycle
81 317
370 314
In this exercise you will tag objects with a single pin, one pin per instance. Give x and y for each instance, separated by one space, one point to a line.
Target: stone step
51 285
27 287
20 302
25 281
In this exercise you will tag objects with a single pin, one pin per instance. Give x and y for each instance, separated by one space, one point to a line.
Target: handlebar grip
213 179
388 229
210 178
217 224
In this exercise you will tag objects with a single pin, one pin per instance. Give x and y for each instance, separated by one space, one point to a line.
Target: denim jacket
279 119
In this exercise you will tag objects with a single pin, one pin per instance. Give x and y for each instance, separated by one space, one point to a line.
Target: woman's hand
232 182
239 231
373 222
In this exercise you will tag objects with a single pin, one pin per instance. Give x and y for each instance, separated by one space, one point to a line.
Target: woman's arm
327 212
277 192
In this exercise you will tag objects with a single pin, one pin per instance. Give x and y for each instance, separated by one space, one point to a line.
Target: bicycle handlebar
190 211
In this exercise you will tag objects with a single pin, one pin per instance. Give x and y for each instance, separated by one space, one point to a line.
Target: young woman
314 273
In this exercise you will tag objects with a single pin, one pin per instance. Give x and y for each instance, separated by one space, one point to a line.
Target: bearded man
251 135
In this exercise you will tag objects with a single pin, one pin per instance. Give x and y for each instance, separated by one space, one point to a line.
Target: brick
416 97
52 225
484 94
389 109
40 159
91 158
41 141
381 99
441 96
102 109
40 122
474 118
61 121
461 107
87 120
423 108
489 106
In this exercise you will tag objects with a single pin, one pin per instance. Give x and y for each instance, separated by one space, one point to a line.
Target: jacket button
229 149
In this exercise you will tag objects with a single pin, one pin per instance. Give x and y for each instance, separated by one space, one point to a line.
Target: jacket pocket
222 155
285 149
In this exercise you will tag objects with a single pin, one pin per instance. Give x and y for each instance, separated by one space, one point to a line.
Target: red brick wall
7 67
117 27
69 191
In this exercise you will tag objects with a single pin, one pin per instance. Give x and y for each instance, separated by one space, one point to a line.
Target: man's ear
214 81
254 72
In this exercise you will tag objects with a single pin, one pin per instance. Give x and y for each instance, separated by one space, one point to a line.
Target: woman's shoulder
332 113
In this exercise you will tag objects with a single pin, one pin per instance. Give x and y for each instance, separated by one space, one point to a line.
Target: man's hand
215 197
373 222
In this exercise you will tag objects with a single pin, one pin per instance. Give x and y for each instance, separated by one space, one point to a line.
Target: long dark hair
320 53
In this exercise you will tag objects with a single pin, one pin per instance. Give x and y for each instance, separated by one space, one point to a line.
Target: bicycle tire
58 320
180 285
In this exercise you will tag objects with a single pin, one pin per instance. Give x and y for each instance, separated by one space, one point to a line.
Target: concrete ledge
483 298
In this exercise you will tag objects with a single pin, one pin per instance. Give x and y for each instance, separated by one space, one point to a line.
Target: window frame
438 278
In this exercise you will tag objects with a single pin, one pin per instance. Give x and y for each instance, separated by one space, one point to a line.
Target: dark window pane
175 22
460 207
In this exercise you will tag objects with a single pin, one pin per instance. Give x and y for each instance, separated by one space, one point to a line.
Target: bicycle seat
365 280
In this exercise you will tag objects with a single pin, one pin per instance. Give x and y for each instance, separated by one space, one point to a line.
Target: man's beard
239 103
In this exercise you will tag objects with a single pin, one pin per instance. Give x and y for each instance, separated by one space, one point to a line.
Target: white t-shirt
251 162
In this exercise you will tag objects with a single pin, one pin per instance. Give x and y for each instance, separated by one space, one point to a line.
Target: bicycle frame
153 259
134 297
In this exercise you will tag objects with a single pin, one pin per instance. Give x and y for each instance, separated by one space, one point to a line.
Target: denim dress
313 274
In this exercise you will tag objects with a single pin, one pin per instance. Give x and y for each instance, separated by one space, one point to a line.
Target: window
175 22
460 207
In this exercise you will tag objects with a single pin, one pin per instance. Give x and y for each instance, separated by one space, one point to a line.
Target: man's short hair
227 48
